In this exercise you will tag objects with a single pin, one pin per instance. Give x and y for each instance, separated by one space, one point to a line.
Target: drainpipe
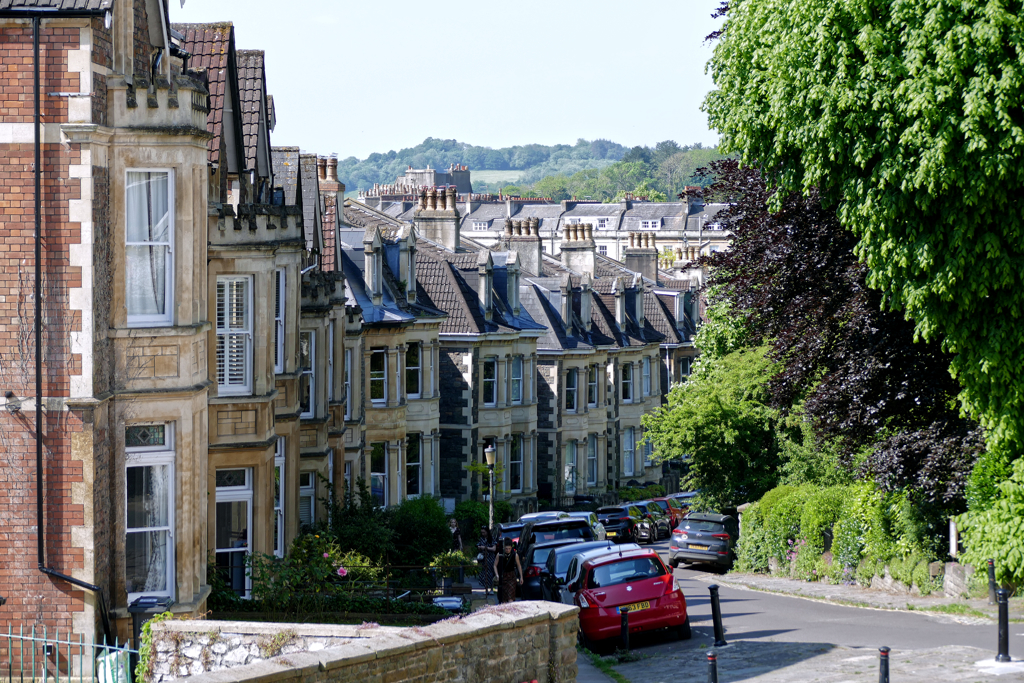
40 523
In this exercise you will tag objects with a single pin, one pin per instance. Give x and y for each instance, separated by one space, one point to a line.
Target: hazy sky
361 77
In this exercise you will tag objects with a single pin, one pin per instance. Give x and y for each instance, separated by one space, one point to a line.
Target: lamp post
489 455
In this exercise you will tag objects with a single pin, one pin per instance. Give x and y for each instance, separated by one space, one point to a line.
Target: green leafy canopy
906 114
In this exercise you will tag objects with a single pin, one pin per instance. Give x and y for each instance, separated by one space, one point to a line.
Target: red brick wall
33 598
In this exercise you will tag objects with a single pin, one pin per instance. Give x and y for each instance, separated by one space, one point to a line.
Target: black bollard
991 582
883 665
712 667
624 611
716 617
1003 596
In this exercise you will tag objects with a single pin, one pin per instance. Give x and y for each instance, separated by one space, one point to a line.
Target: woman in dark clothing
486 547
509 572
456 536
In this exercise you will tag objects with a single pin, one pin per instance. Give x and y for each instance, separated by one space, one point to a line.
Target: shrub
821 512
421 531
998 532
867 569
473 514
783 521
359 525
447 564
847 547
752 549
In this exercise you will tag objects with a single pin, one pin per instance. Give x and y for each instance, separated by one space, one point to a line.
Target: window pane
146 279
412 452
232 568
148 500
232 524
144 435
146 561
412 466
378 458
306 350
378 376
412 369
146 204
230 478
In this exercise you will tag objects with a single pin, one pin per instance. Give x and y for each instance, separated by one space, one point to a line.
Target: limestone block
956 579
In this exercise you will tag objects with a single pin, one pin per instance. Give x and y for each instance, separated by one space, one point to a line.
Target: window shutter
233 335
305 510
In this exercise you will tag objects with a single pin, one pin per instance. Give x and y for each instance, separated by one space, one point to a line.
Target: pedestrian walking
456 535
508 571
486 550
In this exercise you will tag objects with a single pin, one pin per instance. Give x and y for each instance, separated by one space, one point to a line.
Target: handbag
479 557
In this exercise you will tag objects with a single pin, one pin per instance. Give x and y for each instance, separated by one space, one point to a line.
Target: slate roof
661 318
252 94
311 208
359 215
286 172
210 46
58 5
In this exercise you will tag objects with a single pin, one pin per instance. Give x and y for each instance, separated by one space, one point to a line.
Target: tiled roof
360 215
661 318
310 197
210 46
443 288
286 172
252 95
58 5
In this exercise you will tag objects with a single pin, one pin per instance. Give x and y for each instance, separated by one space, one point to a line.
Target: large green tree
907 116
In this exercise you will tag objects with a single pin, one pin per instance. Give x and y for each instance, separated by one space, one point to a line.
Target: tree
905 115
554 186
719 424
853 369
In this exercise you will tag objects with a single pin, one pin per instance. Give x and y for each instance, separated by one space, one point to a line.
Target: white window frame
650 224
627 382
592 387
330 360
348 384
516 380
384 474
308 491
418 466
279 508
592 460
628 452
383 378
572 388
238 494
418 369
493 382
280 293
225 333
603 224
310 371
570 467
516 444
648 454
647 375
602 249
155 456
480 225
167 318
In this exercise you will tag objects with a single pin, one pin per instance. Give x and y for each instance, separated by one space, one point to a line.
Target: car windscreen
701 525
611 511
544 535
624 571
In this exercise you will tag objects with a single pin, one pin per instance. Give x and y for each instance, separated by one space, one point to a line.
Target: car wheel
683 632
587 643
674 562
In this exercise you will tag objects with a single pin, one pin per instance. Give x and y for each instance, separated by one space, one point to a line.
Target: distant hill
532 161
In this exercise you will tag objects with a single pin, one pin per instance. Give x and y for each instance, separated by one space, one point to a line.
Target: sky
354 78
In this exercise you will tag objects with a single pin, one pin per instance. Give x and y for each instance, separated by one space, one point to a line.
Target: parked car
544 530
533 564
550 514
623 523
595 524
684 498
510 530
661 522
670 507
564 565
704 537
637 580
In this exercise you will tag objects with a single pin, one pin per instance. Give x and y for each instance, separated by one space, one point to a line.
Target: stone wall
510 643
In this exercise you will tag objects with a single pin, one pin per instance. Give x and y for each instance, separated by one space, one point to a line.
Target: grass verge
954 608
603 665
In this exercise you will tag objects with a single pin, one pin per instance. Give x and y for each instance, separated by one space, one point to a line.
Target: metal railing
35 658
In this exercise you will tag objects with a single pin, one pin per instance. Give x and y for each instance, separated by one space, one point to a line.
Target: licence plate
610 533
634 607
697 547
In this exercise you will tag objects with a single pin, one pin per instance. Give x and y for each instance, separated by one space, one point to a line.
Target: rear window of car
624 571
662 504
701 525
544 535
611 511
540 556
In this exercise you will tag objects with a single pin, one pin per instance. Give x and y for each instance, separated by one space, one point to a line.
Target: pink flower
342 571
326 555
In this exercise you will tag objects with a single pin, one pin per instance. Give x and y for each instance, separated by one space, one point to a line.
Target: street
757 616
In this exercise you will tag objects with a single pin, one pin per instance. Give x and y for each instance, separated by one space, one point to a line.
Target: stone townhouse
393 440
107 383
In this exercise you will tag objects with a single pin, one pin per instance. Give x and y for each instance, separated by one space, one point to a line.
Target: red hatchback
636 579
671 507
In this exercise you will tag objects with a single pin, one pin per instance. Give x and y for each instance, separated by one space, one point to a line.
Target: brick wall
511 643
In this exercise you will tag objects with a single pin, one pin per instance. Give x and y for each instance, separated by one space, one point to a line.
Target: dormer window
480 225
603 224
650 225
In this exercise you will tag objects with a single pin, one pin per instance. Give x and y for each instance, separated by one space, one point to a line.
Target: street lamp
489 455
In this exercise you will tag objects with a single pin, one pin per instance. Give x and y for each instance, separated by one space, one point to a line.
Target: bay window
627 382
490 383
570 391
515 464
628 451
379 473
379 376
348 384
330 360
149 247
233 526
234 335
279 451
149 510
592 386
413 370
413 466
279 304
592 460
517 380
307 384
647 376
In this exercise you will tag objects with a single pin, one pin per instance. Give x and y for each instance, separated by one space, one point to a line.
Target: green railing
33 657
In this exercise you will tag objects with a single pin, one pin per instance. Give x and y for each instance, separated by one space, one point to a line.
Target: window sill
243 398
159 331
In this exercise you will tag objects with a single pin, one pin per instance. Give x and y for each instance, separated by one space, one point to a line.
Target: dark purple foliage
857 368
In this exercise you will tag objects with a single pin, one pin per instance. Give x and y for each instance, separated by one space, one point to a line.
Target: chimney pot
332 168
321 168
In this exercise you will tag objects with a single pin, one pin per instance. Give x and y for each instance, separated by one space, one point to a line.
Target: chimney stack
641 256
437 217
619 292
586 300
524 239
578 249
485 283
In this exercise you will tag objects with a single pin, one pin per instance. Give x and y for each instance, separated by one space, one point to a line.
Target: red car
636 579
672 508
